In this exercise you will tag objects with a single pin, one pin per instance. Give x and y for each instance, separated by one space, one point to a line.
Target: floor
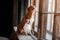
3 38
27 37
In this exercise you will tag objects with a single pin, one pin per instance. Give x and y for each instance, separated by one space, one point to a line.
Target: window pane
56 31
44 26
50 19
48 6
57 26
36 16
47 26
45 6
58 6
51 7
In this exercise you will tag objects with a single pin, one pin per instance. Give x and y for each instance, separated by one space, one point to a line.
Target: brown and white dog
27 21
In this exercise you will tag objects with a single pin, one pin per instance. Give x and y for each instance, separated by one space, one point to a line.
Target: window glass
47 25
48 6
58 6
50 19
36 16
57 21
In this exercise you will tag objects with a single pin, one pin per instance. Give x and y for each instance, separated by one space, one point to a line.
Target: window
48 19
